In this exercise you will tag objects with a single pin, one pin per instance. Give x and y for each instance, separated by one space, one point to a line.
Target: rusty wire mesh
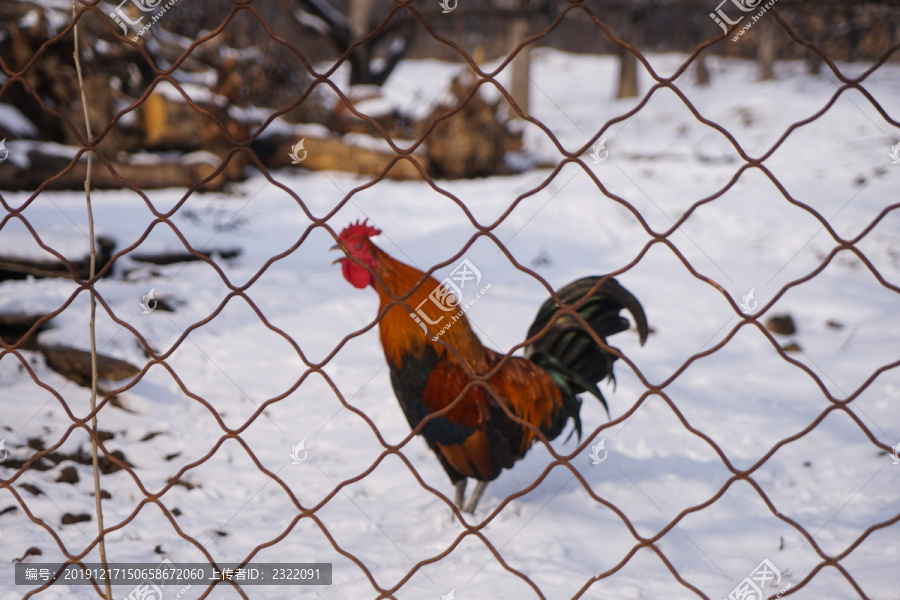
475 530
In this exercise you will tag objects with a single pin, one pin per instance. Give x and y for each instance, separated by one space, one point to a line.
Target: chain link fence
36 456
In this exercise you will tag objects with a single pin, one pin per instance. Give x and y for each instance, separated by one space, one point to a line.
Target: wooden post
521 64
702 70
628 84
765 49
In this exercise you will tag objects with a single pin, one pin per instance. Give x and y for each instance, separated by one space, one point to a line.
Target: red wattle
355 274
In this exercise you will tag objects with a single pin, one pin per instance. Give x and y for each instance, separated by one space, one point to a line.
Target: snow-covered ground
662 468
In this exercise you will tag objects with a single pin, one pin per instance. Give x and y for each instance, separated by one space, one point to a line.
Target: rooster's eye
358 245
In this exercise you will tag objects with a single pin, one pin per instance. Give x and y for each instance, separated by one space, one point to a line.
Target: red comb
360 228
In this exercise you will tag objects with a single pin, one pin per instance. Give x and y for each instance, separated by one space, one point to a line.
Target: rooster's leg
460 492
475 497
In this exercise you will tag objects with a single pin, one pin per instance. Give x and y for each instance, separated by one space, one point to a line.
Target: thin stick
93 267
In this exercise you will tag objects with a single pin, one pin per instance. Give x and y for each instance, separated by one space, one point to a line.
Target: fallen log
169 258
334 154
71 363
75 364
38 167
20 268
13 326
169 123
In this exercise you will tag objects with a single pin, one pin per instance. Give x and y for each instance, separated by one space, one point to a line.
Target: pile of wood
156 131
472 142
152 132
334 154
53 171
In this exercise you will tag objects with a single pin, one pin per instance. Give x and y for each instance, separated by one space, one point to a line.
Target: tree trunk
521 65
628 84
702 70
814 63
765 50
358 15
360 60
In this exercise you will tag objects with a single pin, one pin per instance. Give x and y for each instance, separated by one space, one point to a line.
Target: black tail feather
568 352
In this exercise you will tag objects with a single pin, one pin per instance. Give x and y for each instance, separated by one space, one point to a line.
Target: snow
31 19
56 19
368 100
19 150
814 461
195 91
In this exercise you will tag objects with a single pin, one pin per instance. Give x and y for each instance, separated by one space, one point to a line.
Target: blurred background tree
257 64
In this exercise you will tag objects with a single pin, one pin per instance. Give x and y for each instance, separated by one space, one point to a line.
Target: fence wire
114 462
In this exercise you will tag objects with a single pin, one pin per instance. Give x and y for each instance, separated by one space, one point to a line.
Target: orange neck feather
401 332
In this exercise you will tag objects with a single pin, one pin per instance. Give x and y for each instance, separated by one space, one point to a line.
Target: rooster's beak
337 260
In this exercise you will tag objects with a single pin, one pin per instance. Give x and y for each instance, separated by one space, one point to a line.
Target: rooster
489 407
